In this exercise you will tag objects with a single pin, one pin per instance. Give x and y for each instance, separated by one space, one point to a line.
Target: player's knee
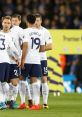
14 82
33 79
21 77
44 79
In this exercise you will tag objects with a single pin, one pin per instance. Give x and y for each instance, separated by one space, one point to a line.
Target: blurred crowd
56 14
72 65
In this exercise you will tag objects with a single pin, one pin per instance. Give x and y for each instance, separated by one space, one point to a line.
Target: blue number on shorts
35 41
2 44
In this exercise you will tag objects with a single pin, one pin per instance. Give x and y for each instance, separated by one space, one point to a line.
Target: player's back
34 37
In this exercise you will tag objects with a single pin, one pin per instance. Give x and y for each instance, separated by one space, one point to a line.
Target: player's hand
21 77
19 63
13 58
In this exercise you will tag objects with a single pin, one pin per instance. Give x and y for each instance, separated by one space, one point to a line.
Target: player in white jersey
31 59
5 43
18 39
43 58
16 33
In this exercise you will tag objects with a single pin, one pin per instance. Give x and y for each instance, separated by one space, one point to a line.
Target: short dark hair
6 17
31 18
37 15
16 16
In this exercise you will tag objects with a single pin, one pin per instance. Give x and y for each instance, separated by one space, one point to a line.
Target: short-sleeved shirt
47 38
5 43
34 38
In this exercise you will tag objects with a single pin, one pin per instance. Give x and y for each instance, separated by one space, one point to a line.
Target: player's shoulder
32 30
38 32
4 34
44 29
25 30
1 32
9 35
19 28
16 28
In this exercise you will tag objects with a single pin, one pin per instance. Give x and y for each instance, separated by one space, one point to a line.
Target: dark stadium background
57 14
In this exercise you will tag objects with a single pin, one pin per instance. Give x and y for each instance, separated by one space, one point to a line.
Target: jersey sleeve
42 39
25 36
47 37
21 36
13 49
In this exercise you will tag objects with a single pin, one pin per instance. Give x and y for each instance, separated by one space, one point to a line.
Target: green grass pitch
66 105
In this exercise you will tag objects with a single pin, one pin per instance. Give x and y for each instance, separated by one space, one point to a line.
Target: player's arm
21 46
48 47
21 37
48 39
24 48
11 55
14 54
13 58
14 50
42 48
24 53
42 44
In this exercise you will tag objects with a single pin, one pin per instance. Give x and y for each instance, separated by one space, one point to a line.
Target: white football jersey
47 38
5 43
35 39
17 38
